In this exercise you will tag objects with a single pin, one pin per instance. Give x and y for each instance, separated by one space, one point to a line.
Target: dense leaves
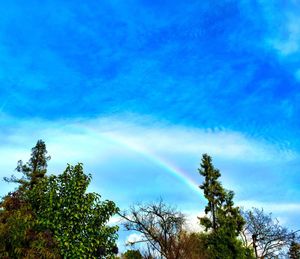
223 221
21 235
132 254
54 217
77 219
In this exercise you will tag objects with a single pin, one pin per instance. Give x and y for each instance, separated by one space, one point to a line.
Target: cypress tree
223 221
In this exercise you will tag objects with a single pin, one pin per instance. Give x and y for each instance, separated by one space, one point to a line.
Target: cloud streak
99 59
115 145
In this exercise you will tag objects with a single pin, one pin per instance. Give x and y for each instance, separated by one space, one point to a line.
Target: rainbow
151 156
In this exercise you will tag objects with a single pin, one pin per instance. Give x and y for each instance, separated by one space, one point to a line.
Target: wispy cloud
287 213
289 41
73 138
282 22
121 149
97 59
271 206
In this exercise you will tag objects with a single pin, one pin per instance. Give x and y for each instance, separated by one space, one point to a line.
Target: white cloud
192 220
288 41
287 213
133 238
271 206
282 21
115 220
98 140
119 142
168 139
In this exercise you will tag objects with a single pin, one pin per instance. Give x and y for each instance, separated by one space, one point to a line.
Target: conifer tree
34 170
213 192
223 221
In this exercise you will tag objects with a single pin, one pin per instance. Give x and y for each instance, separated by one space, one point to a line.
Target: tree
222 222
294 250
193 245
20 233
265 234
55 216
77 219
34 170
132 254
161 227
213 192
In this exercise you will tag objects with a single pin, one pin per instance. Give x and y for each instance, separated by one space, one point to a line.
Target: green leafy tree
21 236
77 219
223 221
20 233
54 217
132 254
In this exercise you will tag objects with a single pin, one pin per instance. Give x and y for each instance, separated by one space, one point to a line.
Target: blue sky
129 87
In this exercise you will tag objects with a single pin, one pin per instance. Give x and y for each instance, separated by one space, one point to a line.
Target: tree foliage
132 254
223 221
20 234
193 245
77 219
54 217
34 170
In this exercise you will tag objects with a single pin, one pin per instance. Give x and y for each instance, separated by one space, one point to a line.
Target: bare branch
267 235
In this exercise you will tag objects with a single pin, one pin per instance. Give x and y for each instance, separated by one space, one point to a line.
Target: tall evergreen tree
20 233
223 221
213 192
34 170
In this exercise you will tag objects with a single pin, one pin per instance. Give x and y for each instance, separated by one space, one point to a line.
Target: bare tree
161 227
267 237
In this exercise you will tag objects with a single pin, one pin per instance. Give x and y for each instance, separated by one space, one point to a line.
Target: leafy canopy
55 216
21 236
78 219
